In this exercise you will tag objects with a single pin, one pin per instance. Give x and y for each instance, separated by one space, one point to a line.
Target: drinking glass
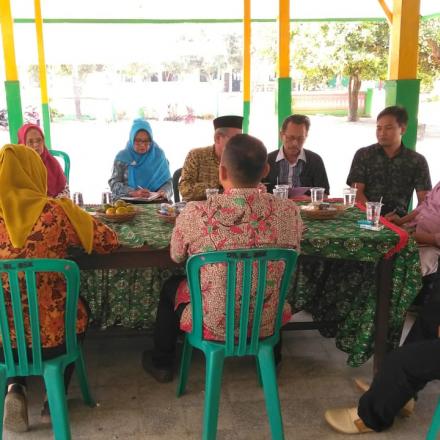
106 198
349 196
78 199
280 193
373 212
211 192
285 188
317 195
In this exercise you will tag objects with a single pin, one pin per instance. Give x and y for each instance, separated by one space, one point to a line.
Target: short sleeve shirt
394 179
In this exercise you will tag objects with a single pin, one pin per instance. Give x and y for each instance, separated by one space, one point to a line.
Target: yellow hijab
23 195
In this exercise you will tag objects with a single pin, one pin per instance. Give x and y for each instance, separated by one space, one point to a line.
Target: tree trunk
353 94
76 91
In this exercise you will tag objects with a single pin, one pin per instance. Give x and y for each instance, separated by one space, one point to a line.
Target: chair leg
213 381
258 371
268 374
54 381
184 367
2 398
434 429
81 373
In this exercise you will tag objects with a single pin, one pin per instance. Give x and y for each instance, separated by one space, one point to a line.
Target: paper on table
298 191
151 197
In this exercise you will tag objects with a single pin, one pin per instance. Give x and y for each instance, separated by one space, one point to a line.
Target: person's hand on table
141 192
394 218
162 194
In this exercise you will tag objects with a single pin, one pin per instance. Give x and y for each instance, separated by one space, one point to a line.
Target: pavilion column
403 87
246 65
284 80
12 85
43 73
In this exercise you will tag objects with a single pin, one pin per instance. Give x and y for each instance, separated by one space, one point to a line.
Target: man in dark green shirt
388 170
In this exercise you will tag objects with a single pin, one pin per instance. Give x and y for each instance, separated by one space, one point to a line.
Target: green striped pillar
284 100
46 125
13 102
246 115
405 92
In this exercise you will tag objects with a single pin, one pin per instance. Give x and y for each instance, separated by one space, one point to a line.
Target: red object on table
403 235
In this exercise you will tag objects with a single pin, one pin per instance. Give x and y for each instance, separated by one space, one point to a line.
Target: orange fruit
121 210
110 211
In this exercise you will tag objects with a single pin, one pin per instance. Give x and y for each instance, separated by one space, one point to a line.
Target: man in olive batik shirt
200 170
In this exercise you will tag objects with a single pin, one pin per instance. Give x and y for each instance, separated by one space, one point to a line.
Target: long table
356 283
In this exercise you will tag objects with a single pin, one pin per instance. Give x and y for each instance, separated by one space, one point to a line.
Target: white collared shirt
280 156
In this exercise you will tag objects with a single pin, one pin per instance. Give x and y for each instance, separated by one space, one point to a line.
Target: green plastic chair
52 370
434 429
66 160
246 344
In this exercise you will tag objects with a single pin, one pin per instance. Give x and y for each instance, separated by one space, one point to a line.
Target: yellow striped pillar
43 73
12 85
403 87
284 97
246 65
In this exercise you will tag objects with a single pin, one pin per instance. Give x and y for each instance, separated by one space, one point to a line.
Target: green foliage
429 53
322 51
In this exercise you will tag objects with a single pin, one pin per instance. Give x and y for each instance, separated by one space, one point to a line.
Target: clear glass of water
317 195
78 199
349 196
373 212
285 188
280 193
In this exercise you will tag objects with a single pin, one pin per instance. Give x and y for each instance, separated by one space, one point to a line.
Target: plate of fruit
118 212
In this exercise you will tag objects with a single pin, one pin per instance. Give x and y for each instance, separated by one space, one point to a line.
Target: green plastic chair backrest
66 160
10 269
249 259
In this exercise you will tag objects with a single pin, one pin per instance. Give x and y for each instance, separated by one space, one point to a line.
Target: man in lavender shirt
408 369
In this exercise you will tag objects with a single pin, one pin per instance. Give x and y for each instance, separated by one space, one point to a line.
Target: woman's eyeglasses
142 142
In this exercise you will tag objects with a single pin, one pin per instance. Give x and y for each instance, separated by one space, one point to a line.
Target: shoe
162 375
16 412
346 421
45 413
405 411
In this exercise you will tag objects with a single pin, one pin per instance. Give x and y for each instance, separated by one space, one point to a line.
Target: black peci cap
230 121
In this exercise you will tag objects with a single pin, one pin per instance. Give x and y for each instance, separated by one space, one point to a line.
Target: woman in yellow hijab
33 225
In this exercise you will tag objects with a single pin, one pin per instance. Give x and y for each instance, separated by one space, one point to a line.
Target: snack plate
166 217
313 212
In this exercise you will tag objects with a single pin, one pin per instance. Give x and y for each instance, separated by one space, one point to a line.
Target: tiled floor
133 406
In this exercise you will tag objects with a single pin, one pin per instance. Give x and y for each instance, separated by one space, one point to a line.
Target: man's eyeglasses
299 139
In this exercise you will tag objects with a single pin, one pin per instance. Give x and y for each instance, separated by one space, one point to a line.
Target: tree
356 50
79 73
429 53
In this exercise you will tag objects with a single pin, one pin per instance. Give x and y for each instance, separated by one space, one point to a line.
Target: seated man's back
242 217
239 218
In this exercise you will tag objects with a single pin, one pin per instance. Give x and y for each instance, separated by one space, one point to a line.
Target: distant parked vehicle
3 118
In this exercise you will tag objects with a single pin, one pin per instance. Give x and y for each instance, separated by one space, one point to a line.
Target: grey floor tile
133 406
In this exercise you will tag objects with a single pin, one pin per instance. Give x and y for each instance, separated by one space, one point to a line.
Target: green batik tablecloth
129 297
343 288
340 288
